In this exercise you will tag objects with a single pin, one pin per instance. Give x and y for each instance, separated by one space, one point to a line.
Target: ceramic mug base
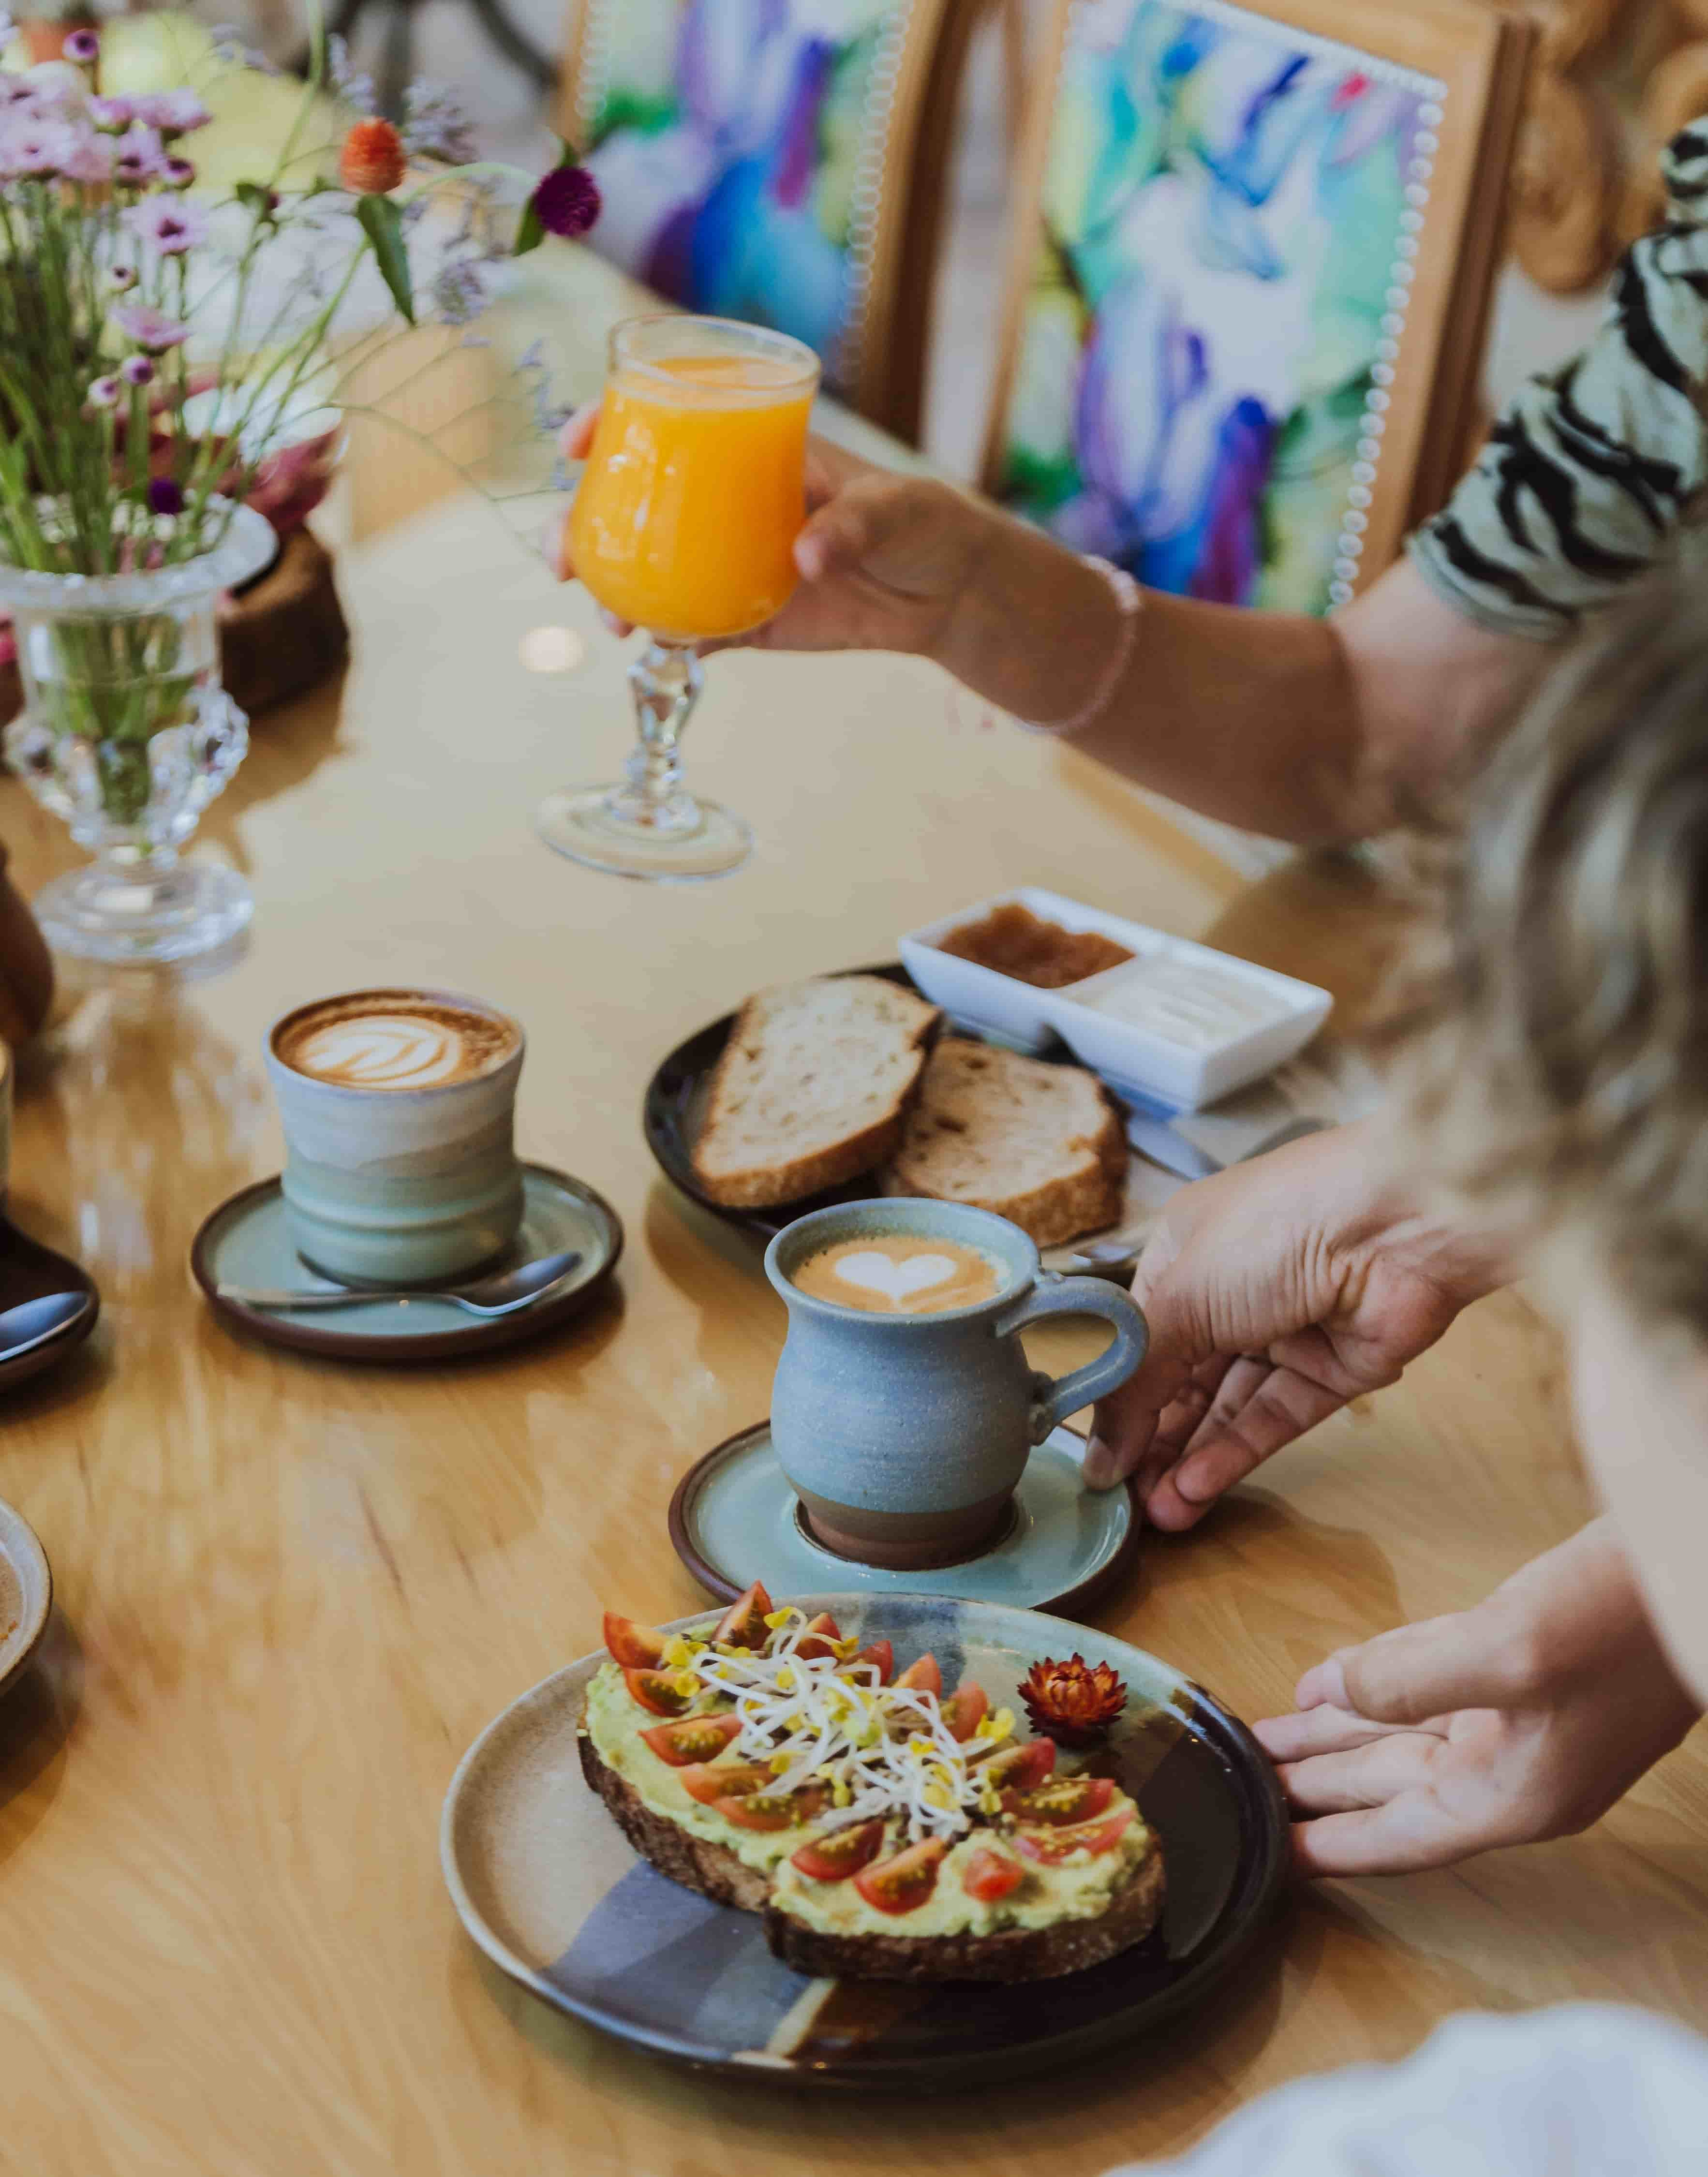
485 1268
907 1542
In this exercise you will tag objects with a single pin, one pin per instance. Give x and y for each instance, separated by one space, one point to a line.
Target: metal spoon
505 1293
47 1304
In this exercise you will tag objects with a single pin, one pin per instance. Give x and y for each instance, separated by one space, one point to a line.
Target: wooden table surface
290 1592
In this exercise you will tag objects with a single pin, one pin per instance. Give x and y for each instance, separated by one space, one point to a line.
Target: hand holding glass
684 523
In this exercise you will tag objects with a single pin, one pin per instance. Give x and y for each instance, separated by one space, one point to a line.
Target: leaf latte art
385 1050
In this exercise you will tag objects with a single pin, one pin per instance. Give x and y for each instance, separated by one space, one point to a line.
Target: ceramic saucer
734 1520
48 1306
27 1593
246 1242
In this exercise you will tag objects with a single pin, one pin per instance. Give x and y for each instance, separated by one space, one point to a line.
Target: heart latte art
383 1040
900 1274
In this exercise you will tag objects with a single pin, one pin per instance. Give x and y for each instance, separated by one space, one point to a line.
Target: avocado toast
885 1830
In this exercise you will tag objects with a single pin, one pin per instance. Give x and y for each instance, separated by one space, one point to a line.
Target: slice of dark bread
696 1862
1012 1954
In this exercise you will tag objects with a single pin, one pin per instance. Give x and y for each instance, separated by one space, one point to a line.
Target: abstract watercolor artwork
1228 223
738 145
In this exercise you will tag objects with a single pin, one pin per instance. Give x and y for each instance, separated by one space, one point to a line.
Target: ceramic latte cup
904 1410
398 1105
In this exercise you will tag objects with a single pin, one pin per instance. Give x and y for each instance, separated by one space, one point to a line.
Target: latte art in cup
382 1039
900 1274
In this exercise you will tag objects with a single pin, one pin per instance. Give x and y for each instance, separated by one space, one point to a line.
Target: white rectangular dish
1181 1057
1013 1012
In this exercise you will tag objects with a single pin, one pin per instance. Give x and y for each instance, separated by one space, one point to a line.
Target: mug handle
1053 1295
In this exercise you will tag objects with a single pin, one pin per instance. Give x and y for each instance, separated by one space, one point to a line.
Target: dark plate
676 1101
48 1306
546 1885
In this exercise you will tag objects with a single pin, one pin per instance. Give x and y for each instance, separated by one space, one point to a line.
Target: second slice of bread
1041 1145
812 1089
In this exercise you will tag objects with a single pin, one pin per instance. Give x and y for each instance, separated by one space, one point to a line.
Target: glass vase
128 735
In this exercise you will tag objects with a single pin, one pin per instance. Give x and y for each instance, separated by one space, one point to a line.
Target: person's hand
884 559
1523 1719
1275 1292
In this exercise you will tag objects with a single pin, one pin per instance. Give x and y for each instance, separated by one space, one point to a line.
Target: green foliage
382 222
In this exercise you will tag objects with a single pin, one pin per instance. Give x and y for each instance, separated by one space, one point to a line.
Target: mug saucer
734 1519
246 1241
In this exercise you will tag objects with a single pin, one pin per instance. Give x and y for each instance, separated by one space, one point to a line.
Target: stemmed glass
685 523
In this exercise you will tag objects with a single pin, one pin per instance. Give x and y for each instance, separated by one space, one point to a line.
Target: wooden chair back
1249 289
781 162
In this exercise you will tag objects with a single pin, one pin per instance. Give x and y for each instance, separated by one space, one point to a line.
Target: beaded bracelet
1129 598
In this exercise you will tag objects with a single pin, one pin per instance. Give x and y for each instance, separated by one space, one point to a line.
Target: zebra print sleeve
1591 471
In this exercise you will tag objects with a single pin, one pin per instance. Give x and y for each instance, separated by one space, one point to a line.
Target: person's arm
1523 1719
1275 1292
1307 729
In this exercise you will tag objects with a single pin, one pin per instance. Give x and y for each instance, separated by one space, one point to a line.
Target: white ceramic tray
1142 1066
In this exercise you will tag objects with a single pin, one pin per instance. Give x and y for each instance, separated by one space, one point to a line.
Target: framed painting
780 161
1254 253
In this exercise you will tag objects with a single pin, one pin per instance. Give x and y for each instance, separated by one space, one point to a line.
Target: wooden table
291 1592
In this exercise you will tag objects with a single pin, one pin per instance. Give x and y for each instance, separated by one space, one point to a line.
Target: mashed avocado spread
1077 1889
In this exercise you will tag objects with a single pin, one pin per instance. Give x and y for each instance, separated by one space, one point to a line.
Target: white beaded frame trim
865 189
866 192
1354 519
1130 599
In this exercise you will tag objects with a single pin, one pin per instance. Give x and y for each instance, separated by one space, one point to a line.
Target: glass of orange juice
685 523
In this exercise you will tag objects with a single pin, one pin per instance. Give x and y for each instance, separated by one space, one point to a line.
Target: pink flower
103 393
168 224
151 329
136 370
90 161
141 156
30 147
173 113
82 47
9 643
112 116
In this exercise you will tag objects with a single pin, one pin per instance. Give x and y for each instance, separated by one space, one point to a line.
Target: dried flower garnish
372 162
1074 1702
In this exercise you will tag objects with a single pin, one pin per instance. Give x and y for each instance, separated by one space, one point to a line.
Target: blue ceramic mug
904 1434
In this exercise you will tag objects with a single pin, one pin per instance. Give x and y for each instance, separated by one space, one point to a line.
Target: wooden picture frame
1478 57
879 368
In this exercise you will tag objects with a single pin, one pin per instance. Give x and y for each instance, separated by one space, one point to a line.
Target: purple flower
103 393
180 174
30 147
168 225
165 497
82 47
111 116
151 329
121 278
141 156
136 370
14 91
173 113
56 87
566 203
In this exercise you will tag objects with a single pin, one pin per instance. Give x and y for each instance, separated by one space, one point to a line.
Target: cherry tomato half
709 1781
902 1884
843 1853
1050 1846
692 1738
743 1624
1061 1802
991 1876
635 1647
657 1690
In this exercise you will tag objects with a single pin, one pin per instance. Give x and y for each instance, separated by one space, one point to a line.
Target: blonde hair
1561 1082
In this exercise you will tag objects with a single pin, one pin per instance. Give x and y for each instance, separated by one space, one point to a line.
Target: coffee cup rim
923 1214
464 999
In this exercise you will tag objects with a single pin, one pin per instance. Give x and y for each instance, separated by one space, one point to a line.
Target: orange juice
693 493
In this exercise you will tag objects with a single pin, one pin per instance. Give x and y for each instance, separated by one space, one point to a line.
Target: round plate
31 1276
27 1593
246 1242
734 1520
676 1101
547 1887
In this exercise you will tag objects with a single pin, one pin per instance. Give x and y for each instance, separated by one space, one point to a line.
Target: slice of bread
1041 1145
1010 1954
812 1089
